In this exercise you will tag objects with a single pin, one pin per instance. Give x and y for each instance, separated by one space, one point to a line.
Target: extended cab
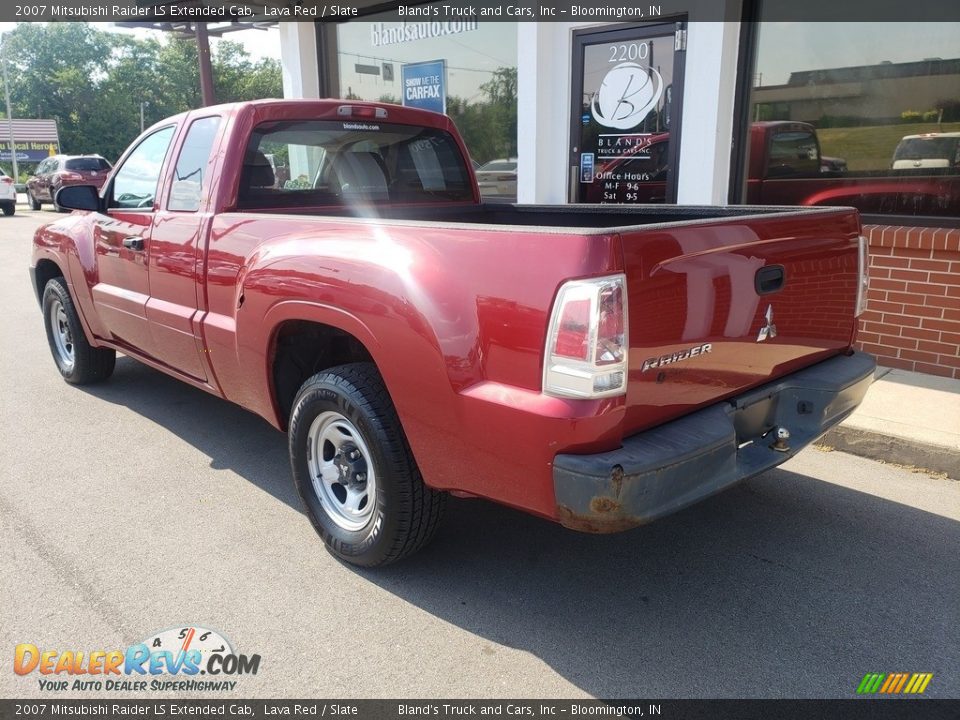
597 366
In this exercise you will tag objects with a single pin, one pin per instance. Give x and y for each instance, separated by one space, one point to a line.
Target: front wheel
9 209
77 360
354 470
34 203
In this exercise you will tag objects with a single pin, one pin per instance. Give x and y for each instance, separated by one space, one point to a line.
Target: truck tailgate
721 306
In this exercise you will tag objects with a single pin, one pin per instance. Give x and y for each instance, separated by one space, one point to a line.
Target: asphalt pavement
143 504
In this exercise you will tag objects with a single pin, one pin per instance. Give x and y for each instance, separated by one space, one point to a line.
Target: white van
930 150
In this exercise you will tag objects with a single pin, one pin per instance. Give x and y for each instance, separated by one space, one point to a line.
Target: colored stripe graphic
870 683
894 683
918 683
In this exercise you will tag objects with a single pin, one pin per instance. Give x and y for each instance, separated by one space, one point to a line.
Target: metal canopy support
207 92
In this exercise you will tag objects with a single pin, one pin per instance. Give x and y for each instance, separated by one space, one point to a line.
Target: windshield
315 163
936 148
87 163
500 166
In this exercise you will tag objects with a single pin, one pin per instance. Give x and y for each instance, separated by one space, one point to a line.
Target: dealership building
669 108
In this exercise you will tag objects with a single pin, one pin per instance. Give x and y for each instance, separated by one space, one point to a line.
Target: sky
788 46
258 43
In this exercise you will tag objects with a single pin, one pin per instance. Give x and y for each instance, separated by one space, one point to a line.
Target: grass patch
871 148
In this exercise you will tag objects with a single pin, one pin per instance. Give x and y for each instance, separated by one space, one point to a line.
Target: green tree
93 82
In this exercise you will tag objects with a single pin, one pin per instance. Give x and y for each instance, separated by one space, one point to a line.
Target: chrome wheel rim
62 337
341 471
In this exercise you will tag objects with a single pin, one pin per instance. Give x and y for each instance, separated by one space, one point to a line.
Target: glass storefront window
862 114
467 69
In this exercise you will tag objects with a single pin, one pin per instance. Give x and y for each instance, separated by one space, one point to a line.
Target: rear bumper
681 462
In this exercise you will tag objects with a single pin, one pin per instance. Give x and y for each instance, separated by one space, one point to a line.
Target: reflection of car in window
498 178
931 150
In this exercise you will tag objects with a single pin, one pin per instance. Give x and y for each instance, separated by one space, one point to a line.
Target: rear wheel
79 362
354 470
34 203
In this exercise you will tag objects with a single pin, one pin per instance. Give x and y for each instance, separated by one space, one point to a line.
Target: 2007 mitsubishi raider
598 366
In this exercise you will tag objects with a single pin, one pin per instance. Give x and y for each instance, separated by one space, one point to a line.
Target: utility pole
6 92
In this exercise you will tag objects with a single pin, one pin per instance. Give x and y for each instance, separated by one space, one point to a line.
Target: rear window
310 163
927 149
793 153
87 163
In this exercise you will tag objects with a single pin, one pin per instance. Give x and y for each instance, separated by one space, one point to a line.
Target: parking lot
143 504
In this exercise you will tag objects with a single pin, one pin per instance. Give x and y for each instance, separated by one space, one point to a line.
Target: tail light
6 180
863 274
586 353
70 176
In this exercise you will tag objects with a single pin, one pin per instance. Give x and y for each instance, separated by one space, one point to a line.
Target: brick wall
912 320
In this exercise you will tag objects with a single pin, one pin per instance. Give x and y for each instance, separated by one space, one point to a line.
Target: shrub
910 116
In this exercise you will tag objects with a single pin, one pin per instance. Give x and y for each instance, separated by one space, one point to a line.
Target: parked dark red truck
598 366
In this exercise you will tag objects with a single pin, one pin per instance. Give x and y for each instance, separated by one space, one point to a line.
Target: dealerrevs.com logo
188 658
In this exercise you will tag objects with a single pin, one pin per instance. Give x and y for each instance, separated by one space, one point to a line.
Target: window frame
181 140
109 187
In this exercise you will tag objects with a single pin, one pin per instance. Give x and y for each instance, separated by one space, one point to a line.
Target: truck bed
696 309
585 218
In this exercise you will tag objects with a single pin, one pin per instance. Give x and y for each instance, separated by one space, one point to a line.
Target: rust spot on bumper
605 517
603 505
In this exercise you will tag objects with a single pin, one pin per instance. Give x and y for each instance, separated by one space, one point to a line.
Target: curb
888 448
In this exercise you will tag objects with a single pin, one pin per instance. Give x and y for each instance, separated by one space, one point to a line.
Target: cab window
135 183
187 188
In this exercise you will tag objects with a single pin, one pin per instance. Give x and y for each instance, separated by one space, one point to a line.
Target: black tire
405 512
53 199
79 362
9 209
34 203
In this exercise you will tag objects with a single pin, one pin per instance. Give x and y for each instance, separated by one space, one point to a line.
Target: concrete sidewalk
906 418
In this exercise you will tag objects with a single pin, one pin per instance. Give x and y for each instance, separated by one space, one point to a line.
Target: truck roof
320 109
924 136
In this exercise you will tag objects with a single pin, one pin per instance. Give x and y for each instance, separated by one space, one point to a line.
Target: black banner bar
856 709
441 13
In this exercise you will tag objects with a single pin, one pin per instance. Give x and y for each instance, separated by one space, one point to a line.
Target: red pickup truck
597 366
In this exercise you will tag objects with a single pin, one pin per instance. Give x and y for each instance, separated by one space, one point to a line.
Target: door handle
133 243
769 279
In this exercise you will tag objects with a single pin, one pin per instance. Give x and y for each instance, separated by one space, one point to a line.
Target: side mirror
78 197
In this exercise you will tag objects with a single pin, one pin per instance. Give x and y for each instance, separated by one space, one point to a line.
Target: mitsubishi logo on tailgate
769 330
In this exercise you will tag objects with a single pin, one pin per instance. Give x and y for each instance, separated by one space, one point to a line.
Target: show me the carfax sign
425 85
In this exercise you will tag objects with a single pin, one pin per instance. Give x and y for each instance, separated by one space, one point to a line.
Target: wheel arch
304 339
301 348
46 270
